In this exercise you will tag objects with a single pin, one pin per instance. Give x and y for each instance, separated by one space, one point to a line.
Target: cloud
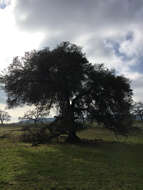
87 15
137 84
110 31
101 21
15 113
4 3
2 96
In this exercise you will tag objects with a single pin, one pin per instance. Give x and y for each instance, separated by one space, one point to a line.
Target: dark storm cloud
85 15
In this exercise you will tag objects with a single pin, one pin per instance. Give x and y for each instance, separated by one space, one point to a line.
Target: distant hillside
42 120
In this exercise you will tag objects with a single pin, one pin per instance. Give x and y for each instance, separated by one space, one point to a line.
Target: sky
109 32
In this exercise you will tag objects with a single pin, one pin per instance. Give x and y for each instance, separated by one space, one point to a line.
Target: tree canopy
63 77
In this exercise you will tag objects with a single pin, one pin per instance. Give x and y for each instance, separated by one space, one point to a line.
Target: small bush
35 134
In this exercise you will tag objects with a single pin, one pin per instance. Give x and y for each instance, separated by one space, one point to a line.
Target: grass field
109 164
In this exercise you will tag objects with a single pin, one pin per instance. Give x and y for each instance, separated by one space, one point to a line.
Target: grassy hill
109 164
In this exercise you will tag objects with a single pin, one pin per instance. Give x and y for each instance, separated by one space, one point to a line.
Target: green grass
110 164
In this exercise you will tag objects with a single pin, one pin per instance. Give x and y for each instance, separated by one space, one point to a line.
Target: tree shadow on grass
104 166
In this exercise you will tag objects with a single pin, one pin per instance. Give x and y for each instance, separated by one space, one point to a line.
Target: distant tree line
137 110
4 117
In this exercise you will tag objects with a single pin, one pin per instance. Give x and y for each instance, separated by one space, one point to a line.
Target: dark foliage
64 78
35 135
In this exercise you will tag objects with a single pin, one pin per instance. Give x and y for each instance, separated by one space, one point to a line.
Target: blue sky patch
138 67
3 4
116 48
130 36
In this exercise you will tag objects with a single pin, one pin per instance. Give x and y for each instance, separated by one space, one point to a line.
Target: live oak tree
63 78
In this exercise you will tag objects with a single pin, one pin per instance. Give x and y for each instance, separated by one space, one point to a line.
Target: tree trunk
69 120
1 122
72 137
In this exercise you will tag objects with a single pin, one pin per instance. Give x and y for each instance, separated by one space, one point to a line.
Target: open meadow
109 164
